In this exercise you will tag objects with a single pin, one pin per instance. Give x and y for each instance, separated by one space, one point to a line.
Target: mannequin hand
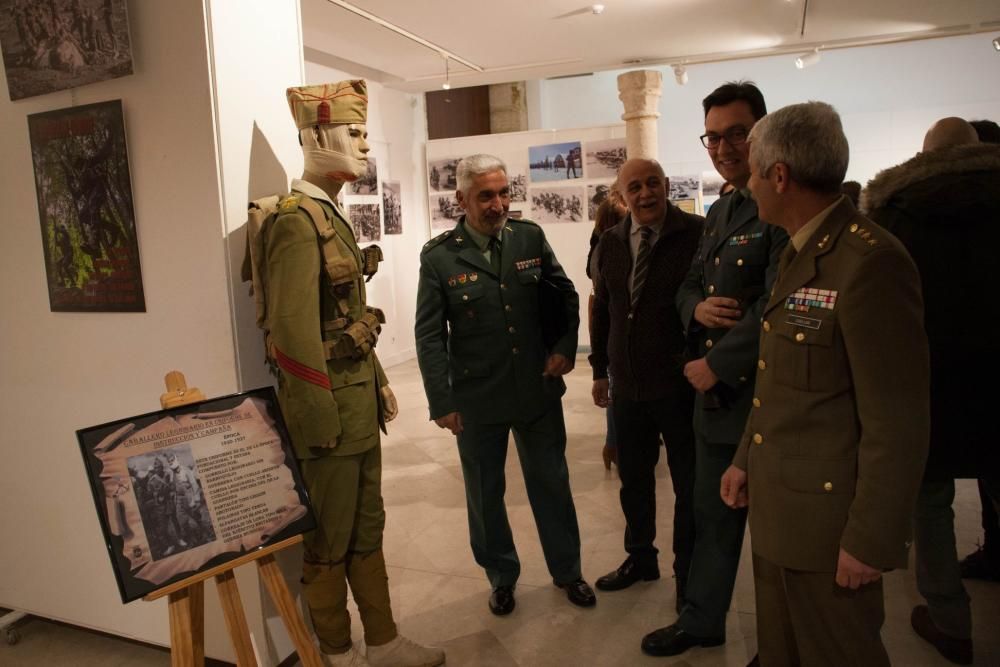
389 405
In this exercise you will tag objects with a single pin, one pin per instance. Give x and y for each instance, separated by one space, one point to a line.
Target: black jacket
944 206
644 353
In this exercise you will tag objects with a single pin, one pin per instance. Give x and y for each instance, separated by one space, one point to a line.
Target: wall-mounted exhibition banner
85 209
51 45
184 490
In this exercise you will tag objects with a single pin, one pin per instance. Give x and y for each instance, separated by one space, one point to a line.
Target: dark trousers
639 426
804 619
991 524
541 448
718 541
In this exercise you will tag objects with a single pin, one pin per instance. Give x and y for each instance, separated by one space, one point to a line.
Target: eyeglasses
734 136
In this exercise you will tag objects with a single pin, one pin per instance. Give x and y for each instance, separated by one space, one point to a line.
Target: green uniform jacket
836 442
326 404
737 258
479 335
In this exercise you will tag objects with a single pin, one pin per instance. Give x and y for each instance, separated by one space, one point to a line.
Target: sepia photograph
684 187
555 162
85 209
51 45
445 211
596 194
367 184
518 186
393 207
605 158
441 174
366 222
550 205
171 500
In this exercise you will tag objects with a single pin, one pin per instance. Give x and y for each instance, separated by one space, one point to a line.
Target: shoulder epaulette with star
436 241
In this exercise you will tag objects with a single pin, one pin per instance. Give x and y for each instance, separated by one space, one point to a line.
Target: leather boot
370 586
324 589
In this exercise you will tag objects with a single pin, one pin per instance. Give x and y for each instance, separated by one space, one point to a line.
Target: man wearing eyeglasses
720 304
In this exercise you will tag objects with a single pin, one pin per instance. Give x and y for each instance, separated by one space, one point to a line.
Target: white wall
887 96
397 119
64 371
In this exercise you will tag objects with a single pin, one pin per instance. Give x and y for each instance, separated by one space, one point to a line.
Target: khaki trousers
804 619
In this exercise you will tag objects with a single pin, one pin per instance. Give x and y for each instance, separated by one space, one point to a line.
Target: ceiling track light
807 59
447 74
597 9
996 43
680 74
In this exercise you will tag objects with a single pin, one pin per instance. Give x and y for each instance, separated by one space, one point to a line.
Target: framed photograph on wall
367 184
366 220
51 45
85 209
183 490
557 204
555 162
392 207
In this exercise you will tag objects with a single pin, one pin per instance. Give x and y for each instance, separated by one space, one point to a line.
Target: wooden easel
187 597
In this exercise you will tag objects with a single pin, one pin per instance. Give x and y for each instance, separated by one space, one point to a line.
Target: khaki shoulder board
436 241
289 204
864 237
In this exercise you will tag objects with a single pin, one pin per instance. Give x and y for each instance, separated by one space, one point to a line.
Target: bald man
949 131
944 206
638 337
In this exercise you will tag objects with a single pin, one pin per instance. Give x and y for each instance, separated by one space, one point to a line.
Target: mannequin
333 392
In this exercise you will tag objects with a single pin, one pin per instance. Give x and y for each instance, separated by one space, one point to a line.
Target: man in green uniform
332 389
834 448
487 370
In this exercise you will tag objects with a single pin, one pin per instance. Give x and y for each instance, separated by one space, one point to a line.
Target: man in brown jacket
836 442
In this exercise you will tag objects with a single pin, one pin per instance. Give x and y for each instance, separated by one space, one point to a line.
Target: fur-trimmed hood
949 161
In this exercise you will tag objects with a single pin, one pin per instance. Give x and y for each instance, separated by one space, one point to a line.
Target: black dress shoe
579 593
502 600
958 651
627 574
671 640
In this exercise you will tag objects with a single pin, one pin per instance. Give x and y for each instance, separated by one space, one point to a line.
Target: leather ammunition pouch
354 340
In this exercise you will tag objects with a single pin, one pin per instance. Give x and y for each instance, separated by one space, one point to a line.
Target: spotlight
680 74
807 59
446 86
447 74
597 9
996 43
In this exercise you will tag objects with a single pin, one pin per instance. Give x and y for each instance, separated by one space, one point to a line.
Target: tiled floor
439 594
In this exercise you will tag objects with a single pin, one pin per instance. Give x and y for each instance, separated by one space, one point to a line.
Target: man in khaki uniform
332 389
835 444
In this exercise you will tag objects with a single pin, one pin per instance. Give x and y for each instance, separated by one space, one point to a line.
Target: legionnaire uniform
481 353
835 445
737 258
321 335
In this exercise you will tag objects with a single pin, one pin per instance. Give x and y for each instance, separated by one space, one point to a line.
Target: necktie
495 254
641 265
738 199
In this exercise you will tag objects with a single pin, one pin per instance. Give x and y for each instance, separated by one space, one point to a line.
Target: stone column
508 107
640 92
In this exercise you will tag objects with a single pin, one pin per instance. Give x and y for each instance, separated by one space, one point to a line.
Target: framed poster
184 490
51 45
85 209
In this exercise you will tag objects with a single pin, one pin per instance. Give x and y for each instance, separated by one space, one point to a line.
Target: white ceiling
533 39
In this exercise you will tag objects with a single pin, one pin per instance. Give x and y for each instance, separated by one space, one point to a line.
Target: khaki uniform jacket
836 442
326 403
479 334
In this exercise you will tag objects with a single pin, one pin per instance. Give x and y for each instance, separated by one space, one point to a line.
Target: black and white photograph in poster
605 157
51 45
441 174
183 490
392 207
518 185
85 209
366 222
684 187
445 211
711 183
596 194
367 183
555 162
557 204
